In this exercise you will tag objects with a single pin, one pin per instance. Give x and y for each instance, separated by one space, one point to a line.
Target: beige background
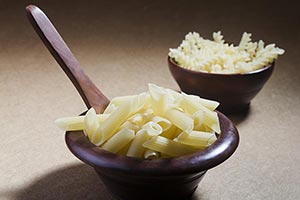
123 46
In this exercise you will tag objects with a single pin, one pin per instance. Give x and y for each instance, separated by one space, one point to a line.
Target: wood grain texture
89 92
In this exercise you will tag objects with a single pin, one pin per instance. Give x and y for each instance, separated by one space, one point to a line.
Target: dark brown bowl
169 178
233 91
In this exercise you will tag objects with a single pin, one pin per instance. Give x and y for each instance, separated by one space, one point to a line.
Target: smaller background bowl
233 91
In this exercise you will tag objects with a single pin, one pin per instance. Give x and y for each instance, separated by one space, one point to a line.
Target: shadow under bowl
233 91
176 178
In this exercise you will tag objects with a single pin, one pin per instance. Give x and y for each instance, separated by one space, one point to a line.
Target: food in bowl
153 124
217 56
173 178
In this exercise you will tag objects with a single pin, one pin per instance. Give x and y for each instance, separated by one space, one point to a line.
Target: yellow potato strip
142 100
169 147
210 104
70 123
197 138
119 140
212 121
130 125
124 149
180 119
112 123
208 129
76 123
136 148
163 122
140 118
110 108
171 133
145 133
120 100
177 97
102 117
152 128
160 99
211 118
148 111
139 101
90 122
199 117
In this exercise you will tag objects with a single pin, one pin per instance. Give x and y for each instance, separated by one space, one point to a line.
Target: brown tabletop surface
123 45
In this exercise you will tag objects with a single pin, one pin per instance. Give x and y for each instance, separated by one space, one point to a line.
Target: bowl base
187 197
130 187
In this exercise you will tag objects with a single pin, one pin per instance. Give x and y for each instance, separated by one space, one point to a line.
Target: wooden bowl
233 91
130 178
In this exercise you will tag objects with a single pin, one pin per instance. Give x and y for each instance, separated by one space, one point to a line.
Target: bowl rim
172 61
210 157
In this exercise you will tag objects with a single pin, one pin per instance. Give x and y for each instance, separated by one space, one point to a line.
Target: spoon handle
88 91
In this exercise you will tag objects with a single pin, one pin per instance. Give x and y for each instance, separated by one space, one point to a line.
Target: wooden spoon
88 91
